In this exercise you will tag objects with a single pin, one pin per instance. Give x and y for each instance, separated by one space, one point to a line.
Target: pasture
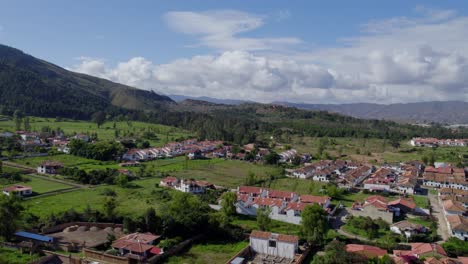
107 131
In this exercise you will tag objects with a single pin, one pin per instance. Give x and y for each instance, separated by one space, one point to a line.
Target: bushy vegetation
98 151
456 247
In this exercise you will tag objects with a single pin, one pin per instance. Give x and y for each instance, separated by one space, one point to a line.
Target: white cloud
221 29
395 60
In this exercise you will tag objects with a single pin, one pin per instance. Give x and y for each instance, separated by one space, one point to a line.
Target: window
272 243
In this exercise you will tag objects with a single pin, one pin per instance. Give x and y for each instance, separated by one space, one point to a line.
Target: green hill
40 88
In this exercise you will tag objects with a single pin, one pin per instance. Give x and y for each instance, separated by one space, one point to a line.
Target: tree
251 179
184 214
10 215
1 166
152 221
272 158
27 124
121 180
18 117
110 204
99 118
335 253
228 203
314 224
263 218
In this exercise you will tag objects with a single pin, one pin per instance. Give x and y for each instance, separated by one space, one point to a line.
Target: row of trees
99 151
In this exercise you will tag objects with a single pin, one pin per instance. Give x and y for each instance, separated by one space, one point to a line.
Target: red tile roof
278 237
405 202
16 188
366 250
314 199
250 189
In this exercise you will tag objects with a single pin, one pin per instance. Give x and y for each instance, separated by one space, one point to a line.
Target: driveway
438 212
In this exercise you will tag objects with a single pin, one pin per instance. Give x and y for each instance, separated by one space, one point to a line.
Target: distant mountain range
447 112
180 98
38 87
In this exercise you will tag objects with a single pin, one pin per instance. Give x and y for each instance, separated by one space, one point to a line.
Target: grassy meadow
106 132
212 252
40 186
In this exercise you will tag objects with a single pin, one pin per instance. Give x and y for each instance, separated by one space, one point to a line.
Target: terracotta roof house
405 205
277 245
422 250
140 244
19 190
458 225
453 207
366 250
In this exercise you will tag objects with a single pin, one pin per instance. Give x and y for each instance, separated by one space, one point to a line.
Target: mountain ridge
36 86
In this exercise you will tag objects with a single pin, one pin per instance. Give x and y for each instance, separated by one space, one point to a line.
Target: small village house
272 244
137 244
49 167
19 190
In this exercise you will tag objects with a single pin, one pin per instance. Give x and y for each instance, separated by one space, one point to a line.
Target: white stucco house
272 244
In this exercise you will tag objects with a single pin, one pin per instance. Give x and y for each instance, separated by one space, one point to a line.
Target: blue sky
301 51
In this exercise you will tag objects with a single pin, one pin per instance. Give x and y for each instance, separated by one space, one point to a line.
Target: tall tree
152 221
228 203
110 204
263 218
10 215
314 224
99 118
18 118
27 124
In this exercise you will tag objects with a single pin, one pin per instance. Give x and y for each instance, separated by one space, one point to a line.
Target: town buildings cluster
435 142
284 206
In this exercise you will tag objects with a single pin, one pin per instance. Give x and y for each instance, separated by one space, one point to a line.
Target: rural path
438 212
33 174
353 236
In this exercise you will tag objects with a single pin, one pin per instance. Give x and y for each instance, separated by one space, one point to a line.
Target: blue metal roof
34 236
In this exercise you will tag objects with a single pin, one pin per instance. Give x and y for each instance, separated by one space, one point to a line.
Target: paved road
438 212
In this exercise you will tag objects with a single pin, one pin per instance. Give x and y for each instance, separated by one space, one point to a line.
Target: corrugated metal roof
34 236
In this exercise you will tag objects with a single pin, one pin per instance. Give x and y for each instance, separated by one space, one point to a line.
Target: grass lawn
131 201
375 151
107 131
213 252
301 186
250 223
363 233
420 221
7 169
40 186
13 256
421 201
227 173
70 161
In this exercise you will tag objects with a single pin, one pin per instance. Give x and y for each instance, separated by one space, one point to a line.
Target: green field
213 252
107 131
227 173
72 161
40 186
131 201
13 256
375 151
11 170
421 201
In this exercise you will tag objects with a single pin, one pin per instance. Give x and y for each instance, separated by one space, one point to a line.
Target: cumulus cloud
401 59
221 29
